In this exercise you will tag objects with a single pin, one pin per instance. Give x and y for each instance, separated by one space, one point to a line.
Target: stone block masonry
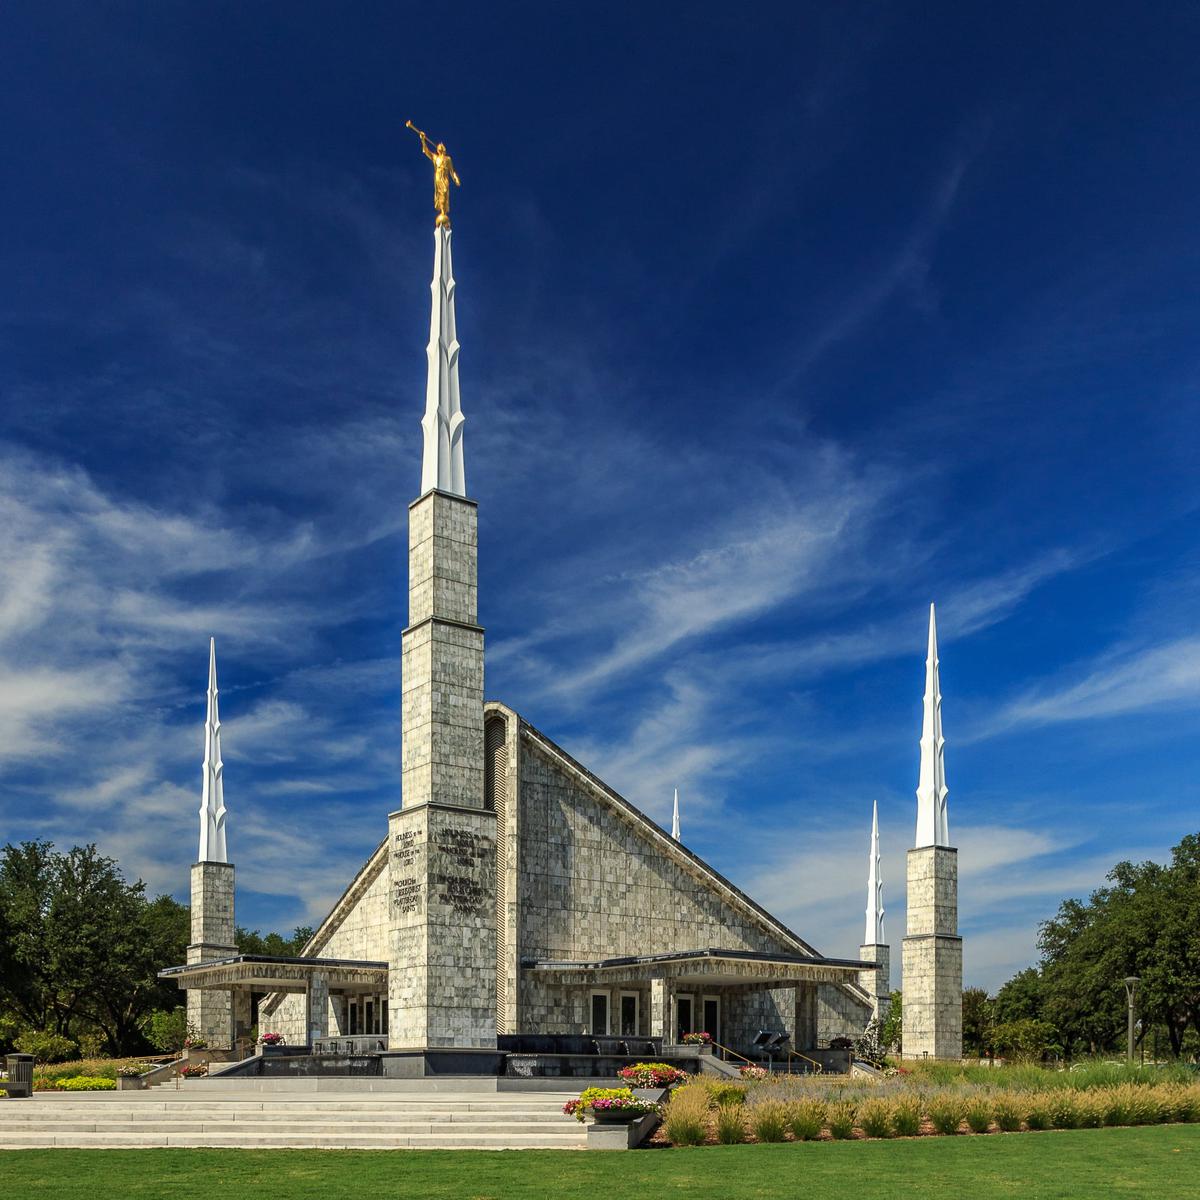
442 951
210 1011
877 983
442 685
932 968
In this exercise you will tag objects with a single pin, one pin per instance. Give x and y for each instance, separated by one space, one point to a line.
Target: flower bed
270 1039
652 1075
697 1039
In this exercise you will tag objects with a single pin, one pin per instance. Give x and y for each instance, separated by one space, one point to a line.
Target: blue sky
777 323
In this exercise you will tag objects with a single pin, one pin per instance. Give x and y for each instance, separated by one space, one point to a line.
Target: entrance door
712 1017
684 1020
629 1014
600 1013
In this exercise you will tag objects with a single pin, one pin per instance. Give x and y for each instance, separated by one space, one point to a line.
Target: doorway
685 1021
712 1017
629 1015
600 1013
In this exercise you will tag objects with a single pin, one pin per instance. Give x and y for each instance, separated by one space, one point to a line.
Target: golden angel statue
443 172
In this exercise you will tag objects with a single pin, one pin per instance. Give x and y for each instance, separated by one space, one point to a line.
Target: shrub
1063 1109
906 1117
946 1113
979 1115
1007 1111
45 1046
769 1120
166 1029
721 1094
841 1118
875 1117
731 1125
86 1083
806 1118
686 1120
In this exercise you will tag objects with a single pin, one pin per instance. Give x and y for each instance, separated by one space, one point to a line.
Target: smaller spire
212 801
874 933
933 825
675 818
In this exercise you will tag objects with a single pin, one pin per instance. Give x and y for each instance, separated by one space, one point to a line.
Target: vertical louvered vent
495 788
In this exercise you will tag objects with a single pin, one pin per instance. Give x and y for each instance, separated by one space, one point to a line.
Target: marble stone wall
932 957
210 1010
442 941
877 983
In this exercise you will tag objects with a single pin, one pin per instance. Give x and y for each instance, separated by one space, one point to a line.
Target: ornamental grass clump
1063 1108
841 1115
1182 1101
731 1125
906 1116
875 1117
1146 1106
1037 1111
686 1119
769 1120
722 1093
1090 1108
806 1118
978 1115
945 1113
1007 1110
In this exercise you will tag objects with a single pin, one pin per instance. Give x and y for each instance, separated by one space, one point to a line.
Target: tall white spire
933 825
675 817
212 803
874 934
442 460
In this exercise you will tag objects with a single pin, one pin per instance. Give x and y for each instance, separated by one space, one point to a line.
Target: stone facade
932 978
442 680
442 949
210 1013
877 983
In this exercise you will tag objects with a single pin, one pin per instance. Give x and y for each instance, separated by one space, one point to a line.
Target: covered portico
325 983
730 994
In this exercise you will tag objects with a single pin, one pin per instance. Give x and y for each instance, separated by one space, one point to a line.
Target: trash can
19 1084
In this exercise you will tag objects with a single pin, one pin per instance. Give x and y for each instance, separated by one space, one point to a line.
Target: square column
877 983
932 978
660 1010
317 1007
210 1010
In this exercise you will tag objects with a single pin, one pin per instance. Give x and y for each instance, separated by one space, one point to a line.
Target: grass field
1160 1161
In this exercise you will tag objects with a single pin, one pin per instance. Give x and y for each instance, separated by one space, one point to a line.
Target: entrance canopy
264 974
701 967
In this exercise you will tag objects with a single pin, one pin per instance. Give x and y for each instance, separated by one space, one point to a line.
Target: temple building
515 894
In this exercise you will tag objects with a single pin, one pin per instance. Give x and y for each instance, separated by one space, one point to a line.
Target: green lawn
1161 1160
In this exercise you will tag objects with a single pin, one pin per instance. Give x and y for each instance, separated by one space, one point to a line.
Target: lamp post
1131 983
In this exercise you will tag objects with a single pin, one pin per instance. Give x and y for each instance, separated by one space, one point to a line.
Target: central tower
442 903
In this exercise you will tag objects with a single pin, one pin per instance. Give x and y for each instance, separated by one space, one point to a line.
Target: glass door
712 1017
684 1020
600 1013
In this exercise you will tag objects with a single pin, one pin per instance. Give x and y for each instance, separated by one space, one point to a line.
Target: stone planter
603 1116
130 1083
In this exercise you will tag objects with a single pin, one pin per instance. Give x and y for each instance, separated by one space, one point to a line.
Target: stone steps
439 1120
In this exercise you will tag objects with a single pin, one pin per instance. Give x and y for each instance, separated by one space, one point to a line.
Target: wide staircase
208 1116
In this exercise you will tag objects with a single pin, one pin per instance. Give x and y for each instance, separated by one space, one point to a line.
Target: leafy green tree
976 1021
1020 998
1026 1040
273 945
892 1029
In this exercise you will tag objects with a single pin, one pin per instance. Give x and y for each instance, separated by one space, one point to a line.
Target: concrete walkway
233 1116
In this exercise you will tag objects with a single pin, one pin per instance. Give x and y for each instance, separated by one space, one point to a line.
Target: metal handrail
726 1050
819 1068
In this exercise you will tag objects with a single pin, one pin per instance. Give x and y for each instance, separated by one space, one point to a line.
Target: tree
1026 1040
976 1021
1020 998
893 1024
273 945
